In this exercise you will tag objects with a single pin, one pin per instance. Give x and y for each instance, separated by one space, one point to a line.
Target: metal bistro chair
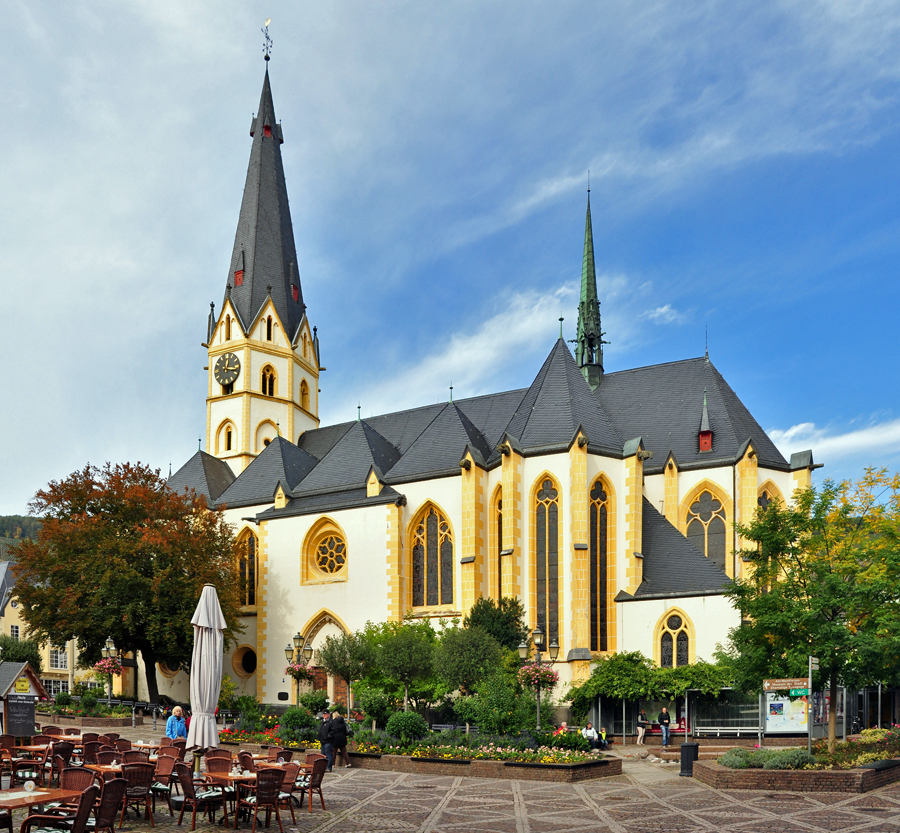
197 796
76 823
265 796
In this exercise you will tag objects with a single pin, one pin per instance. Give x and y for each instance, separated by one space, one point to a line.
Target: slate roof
672 564
662 404
7 583
281 461
332 502
264 241
206 475
9 673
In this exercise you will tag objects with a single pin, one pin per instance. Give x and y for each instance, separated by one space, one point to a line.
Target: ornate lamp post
293 653
109 652
537 638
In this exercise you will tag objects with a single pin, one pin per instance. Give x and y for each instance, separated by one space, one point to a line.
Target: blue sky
744 167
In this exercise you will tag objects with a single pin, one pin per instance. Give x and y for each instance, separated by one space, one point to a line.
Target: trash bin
690 752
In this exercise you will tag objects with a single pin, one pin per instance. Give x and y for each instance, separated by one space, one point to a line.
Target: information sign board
785 684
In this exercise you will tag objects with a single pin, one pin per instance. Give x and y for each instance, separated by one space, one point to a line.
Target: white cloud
876 441
664 315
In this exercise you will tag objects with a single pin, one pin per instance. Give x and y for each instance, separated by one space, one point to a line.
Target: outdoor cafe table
139 744
18 798
32 748
105 769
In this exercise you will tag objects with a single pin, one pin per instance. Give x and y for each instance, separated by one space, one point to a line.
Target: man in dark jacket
325 738
339 737
664 720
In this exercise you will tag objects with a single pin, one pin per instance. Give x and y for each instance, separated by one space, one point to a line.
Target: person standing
325 739
175 725
339 738
642 724
664 721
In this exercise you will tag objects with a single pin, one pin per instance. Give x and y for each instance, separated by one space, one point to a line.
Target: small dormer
282 495
374 482
705 435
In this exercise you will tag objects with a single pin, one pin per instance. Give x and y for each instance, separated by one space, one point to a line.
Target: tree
121 555
504 620
406 655
463 656
347 656
21 650
823 581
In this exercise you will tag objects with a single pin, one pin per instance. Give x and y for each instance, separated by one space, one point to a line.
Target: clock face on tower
227 369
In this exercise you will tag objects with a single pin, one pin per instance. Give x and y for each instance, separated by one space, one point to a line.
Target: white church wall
722 476
655 491
784 480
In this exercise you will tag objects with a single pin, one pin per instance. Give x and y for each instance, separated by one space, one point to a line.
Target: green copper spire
589 343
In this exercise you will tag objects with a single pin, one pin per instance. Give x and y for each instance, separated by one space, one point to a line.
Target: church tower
263 356
589 342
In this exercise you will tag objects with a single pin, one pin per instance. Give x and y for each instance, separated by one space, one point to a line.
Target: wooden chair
135 756
76 823
168 751
246 761
52 730
265 796
314 784
197 796
122 745
288 782
89 737
139 778
31 769
107 809
220 765
89 752
217 753
113 736
162 780
74 730
180 744
274 752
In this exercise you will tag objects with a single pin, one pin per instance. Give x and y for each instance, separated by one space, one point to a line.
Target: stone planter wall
567 773
92 722
789 780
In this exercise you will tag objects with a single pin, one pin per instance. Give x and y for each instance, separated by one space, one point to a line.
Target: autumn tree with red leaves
119 554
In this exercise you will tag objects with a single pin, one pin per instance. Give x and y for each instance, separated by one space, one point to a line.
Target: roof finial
561 319
170 469
278 428
358 413
267 44
589 180
451 390
707 345
199 440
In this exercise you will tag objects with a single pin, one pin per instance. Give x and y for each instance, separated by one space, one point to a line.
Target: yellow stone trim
408 566
579 533
802 479
612 582
532 556
260 447
373 485
748 494
511 471
494 590
262 599
634 516
718 492
395 564
471 544
309 570
686 624
772 489
245 533
318 620
236 663
670 503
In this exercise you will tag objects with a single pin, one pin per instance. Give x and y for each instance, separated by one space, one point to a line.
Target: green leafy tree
503 619
823 581
405 655
463 656
120 554
347 656
21 650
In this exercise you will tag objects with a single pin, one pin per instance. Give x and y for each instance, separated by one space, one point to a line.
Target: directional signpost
785 684
813 666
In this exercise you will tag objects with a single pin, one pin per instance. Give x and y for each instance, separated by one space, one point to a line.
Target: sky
744 159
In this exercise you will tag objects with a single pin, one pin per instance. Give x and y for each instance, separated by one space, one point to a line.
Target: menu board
19 715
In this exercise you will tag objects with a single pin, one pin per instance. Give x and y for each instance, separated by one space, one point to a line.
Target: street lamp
537 638
109 652
292 653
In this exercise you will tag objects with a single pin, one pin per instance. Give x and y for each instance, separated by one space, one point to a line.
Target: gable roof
281 461
208 476
11 671
672 564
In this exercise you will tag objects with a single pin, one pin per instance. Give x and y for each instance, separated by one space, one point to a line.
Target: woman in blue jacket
175 725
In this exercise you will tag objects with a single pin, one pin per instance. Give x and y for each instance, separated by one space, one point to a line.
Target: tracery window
706 527
247 569
674 643
764 500
304 395
598 567
432 560
330 554
268 381
546 518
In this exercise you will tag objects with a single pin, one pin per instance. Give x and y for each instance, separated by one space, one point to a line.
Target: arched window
226 438
305 346
330 554
304 395
247 568
432 560
706 527
268 381
269 328
599 567
227 328
546 521
499 555
674 642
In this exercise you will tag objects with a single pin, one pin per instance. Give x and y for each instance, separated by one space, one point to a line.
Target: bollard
154 719
690 752
132 715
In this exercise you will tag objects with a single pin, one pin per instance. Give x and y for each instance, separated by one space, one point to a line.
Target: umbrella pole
197 755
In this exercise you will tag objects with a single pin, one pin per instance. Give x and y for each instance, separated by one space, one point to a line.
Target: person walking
325 739
175 725
642 724
664 721
339 738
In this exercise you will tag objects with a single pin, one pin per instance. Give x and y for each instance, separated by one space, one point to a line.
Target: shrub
870 757
736 759
873 735
340 708
314 701
567 740
497 708
88 701
789 759
374 702
296 718
63 699
407 726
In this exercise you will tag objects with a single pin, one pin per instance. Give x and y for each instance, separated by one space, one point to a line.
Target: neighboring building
605 501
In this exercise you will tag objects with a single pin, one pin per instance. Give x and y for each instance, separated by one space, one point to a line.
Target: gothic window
330 554
764 500
499 549
228 439
268 381
432 557
269 328
598 567
227 328
247 569
706 527
546 517
304 395
674 642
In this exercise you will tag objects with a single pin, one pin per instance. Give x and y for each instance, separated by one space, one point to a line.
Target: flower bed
821 780
489 752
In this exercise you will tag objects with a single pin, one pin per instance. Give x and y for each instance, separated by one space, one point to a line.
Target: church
605 501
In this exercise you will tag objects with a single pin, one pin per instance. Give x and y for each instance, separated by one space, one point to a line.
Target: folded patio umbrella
206 670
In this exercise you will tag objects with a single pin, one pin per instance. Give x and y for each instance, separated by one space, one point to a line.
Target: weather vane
267 46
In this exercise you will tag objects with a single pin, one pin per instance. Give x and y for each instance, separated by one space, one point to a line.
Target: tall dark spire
264 254
589 343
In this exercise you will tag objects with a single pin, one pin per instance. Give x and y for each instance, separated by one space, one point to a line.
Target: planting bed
860 780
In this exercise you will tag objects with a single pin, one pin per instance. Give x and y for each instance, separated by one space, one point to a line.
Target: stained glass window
499 548
598 568
674 642
247 569
331 554
547 559
665 650
763 501
706 528
432 557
